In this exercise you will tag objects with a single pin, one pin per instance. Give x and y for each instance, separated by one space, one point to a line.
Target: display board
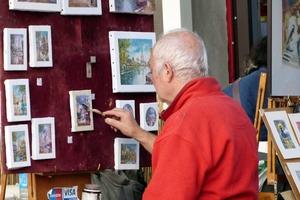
75 39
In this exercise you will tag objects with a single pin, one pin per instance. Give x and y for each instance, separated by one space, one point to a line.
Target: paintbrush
98 112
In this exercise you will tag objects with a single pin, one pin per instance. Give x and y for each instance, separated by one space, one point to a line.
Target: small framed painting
81 7
43 138
15 49
283 134
126 105
146 7
149 116
17 100
127 153
40 46
17 146
130 55
81 110
36 5
295 121
294 168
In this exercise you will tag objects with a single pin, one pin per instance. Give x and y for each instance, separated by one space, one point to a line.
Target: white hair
189 61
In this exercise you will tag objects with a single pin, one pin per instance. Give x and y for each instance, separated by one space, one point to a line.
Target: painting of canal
134 61
130 55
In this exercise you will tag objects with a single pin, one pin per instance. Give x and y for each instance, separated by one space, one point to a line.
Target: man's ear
168 72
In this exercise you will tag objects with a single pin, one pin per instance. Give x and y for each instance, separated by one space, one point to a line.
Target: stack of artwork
285 130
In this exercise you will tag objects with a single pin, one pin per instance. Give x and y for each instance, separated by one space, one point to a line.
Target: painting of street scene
134 61
128 153
83 3
19 146
39 1
17 49
133 6
19 100
42 45
45 140
83 110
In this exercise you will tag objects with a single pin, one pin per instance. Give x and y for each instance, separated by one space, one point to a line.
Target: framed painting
130 55
283 134
295 122
285 52
40 46
43 138
36 5
17 146
15 49
294 168
17 100
81 7
127 154
126 105
146 7
81 110
149 116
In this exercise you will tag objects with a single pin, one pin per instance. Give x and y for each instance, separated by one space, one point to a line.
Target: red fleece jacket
207 148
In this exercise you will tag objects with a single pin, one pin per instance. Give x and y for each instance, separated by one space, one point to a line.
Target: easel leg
3 185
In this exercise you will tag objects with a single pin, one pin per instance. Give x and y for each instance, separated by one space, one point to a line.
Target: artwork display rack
279 104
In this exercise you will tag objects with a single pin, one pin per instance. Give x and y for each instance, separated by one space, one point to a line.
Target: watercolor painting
17 146
81 114
126 153
130 55
43 138
295 121
81 7
149 116
279 126
36 5
146 7
17 99
126 105
40 49
15 49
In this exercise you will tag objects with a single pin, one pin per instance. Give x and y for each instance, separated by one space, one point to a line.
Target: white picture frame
149 116
40 46
126 105
126 153
283 134
294 169
295 122
43 138
146 7
130 71
18 106
17 146
36 5
90 7
81 110
15 49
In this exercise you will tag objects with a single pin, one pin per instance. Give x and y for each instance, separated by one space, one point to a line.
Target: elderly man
207 148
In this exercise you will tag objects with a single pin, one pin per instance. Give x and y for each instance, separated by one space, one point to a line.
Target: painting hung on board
81 114
130 55
81 7
132 6
35 5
